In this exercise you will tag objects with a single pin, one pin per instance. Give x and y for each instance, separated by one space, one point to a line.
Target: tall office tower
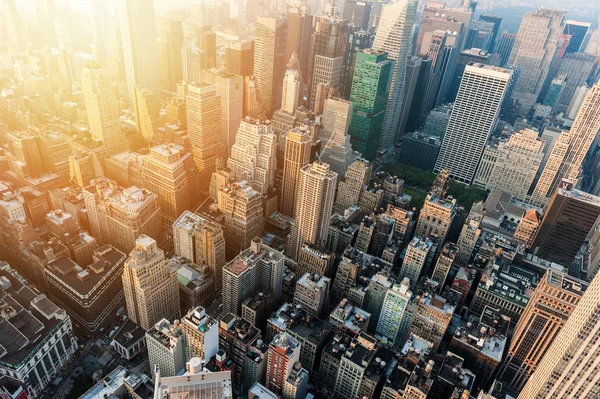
242 209
481 93
150 284
206 40
432 317
329 42
203 106
325 79
201 334
253 103
377 288
516 164
593 45
533 51
201 241
193 61
239 58
170 44
282 357
299 30
358 13
138 36
569 218
436 217
195 383
15 35
496 21
147 113
353 365
417 254
357 40
568 368
230 88
312 293
168 170
258 267
291 91
118 216
469 235
253 154
357 175
314 203
336 149
444 263
552 303
505 46
413 71
369 97
103 109
577 101
577 67
528 227
577 31
270 60
582 134
479 34
394 34
298 143
45 12
166 347
552 163
392 312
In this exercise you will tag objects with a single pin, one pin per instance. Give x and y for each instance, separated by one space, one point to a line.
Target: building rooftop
28 318
166 334
511 282
248 258
301 323
314 282
361 350
487 334
109 386
240 328
199 319
129 333
190 275
107 260
261 392
285 344
351 317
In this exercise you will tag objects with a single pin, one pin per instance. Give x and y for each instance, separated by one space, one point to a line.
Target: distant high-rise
369 97
270 60
314 203
505 46
206 40
358 13
299 31
481 92
577 67
140 50
336 149
328 41
357 40
496 21
533 51
298 143
193 61
580 138
15 34
239 58
170 43
45 11
204 128
150 284
568 368
577 31
394 34
546 313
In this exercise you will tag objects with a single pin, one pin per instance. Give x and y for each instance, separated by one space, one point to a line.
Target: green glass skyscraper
369 94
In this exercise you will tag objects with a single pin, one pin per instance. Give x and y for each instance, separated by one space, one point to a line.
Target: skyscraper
269 60
577 31
394 34
299 31
150 284
369 97
546 313
533 52
282 358
206 40
103 109
253 154
496 21
569 367
336 149
481 92
291 91
298 143
392 312
314 203
204 128
170 43
138 35
417 254
505 46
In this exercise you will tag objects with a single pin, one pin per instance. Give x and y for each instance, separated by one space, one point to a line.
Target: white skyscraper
253 154
571 366
103 109
394 34
314 203
291 91
474 116
140 49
